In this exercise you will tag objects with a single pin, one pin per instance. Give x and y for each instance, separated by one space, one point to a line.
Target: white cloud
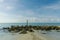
5 17
1 1
13 0
13 18
6 7
27 12
53 6
2 14
9 7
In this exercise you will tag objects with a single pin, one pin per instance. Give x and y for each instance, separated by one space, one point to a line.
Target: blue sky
18 11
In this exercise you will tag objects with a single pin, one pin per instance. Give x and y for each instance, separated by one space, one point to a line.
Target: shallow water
8 36
50 35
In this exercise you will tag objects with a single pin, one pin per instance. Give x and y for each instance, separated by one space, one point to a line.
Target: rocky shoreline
24 29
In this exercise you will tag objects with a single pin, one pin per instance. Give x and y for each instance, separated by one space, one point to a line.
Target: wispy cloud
26 12
1 1
18 11
9 7
53 6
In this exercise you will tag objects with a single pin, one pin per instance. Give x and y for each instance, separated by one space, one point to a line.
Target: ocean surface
53 35
33 24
